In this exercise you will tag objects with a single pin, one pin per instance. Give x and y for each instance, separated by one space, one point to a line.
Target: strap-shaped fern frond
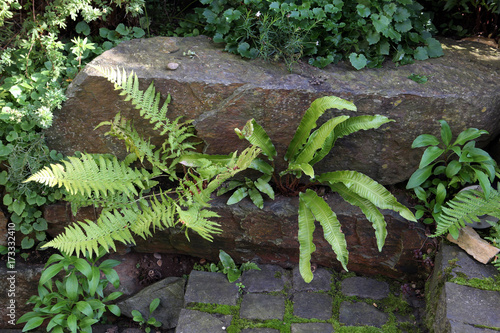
466 207
93 175
367 188
305 237
329 222
368 208
308 122
347 127
256 135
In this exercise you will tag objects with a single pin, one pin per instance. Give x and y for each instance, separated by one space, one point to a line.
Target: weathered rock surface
17 286
170 291
455 308
221 91
269 236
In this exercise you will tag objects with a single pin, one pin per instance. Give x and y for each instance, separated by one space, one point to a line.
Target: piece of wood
473 244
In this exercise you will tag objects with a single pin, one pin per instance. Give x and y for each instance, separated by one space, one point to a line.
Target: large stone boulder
221 91
269 236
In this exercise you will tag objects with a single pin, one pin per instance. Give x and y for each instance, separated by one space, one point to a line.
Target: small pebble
172 66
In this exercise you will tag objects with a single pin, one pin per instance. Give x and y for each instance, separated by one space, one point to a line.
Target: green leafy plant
467 207
447 166
365 33
306 149
151 321
124 192
73 301
37 62
227 266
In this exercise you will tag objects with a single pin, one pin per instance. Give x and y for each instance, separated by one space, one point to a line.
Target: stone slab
260 330
312 328
469 305
360 313
170 291
269 278
312 305
262 307
365 287
191 321
221 291
321 281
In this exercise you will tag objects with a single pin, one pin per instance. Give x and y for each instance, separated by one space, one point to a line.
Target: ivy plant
364 33
75 300
446 167
309 146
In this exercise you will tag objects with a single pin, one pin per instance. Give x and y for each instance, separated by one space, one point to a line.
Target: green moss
484 284
215 308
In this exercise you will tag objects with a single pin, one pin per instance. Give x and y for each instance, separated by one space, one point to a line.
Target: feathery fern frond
148 103
466 207
88 175
116 225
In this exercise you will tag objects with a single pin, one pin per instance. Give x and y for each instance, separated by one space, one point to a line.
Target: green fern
148 103
97 175
121 191
466 207
310 146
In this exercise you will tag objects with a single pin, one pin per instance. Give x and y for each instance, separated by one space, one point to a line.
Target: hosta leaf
419 177
430 155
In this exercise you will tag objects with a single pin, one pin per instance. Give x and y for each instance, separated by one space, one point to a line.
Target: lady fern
466 207
124 193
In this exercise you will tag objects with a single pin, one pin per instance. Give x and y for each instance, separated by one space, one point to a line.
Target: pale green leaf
305 237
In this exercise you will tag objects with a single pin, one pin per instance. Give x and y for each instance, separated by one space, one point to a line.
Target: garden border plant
327 32
36 65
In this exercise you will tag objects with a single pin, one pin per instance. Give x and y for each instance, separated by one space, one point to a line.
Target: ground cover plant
363 33
39 57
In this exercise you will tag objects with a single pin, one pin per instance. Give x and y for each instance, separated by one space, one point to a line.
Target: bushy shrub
364 32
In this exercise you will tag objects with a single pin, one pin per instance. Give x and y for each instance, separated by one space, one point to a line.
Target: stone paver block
468 305
191 321
456 327
208 287
360 313
312 328
262 307
269 278
321 282
365 288
312 305
260 330
170 291
464 264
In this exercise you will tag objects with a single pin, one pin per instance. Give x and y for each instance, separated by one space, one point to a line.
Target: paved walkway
274 300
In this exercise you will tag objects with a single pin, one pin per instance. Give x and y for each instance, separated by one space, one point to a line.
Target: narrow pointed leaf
331 225
237 196
419 177
445 132
308 122
430 155
469 134
305 237
425 140
256 135
263 186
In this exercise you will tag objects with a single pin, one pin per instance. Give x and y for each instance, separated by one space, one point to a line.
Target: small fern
466 207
